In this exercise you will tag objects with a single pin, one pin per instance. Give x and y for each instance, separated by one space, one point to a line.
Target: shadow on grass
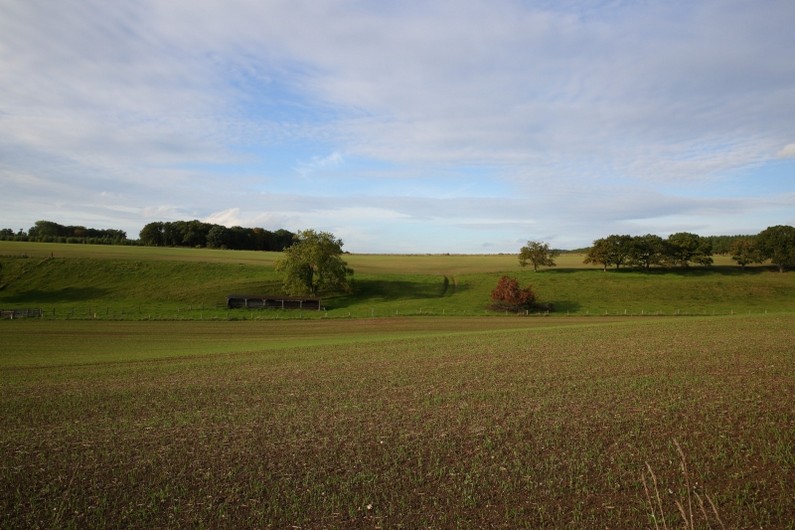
565 306
693 270
391 291
67 294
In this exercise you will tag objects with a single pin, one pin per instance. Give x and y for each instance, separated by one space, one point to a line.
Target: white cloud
228 218
586 119
788 151
319 163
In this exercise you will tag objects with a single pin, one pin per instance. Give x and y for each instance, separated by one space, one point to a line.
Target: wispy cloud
558 119
788 151
319 163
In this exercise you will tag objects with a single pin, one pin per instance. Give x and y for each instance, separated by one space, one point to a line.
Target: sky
419 126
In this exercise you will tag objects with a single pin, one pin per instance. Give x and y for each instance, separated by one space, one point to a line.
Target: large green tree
777 243
646 251
684 247
611 250
745 251
313 264
537 254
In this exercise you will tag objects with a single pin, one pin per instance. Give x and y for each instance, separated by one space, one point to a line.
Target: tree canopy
537 254
744 251
199 234
611 250
777 243
684 247
313 264
644 251
52 232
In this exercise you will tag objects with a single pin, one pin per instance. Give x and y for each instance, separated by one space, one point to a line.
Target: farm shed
240 301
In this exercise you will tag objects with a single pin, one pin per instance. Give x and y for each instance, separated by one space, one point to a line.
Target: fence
169 312
11 314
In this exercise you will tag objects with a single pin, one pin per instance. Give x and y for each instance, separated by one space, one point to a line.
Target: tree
538 254
218 237
744 251
646 251
703 255
152 234
684 247
611 250
599 253
313 263
282 239
45 229
509 296
777 243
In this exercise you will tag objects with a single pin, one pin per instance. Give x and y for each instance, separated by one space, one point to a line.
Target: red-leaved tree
510 296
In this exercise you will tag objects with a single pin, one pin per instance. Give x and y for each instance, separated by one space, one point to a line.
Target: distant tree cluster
51 232
775 244
724 244
197 234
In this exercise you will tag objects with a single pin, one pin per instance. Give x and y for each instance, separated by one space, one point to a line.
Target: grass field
397 423
122 283
138 402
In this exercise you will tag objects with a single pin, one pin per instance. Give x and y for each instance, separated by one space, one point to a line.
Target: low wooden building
244 301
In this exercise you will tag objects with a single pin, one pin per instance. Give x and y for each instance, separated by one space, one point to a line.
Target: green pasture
133 283
491 422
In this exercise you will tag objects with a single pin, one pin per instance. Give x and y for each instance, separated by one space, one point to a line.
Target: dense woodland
205 235
51 232
194 234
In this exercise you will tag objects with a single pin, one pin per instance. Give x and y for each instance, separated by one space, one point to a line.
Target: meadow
124 283
480 422
647 400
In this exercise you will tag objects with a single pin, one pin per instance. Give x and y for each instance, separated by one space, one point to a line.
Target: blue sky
466 126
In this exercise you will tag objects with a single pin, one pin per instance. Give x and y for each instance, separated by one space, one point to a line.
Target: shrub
508 295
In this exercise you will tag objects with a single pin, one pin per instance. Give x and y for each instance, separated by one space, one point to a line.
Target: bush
510 296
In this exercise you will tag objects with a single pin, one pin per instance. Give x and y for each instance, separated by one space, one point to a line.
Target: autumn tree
537 254
508 295
313 263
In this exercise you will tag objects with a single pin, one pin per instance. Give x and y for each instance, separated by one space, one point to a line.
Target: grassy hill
86 281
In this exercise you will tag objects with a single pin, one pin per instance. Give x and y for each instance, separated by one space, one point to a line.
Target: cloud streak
556 120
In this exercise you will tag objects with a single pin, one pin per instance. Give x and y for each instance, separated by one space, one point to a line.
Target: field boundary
218 312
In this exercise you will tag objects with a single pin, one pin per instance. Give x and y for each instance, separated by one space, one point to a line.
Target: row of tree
198 234
51 232
775 244
680 249
158 234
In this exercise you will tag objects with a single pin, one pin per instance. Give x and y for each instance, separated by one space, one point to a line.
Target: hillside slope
159 283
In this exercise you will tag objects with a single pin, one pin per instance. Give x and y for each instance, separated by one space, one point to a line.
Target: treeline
775 244
51 232
197 234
